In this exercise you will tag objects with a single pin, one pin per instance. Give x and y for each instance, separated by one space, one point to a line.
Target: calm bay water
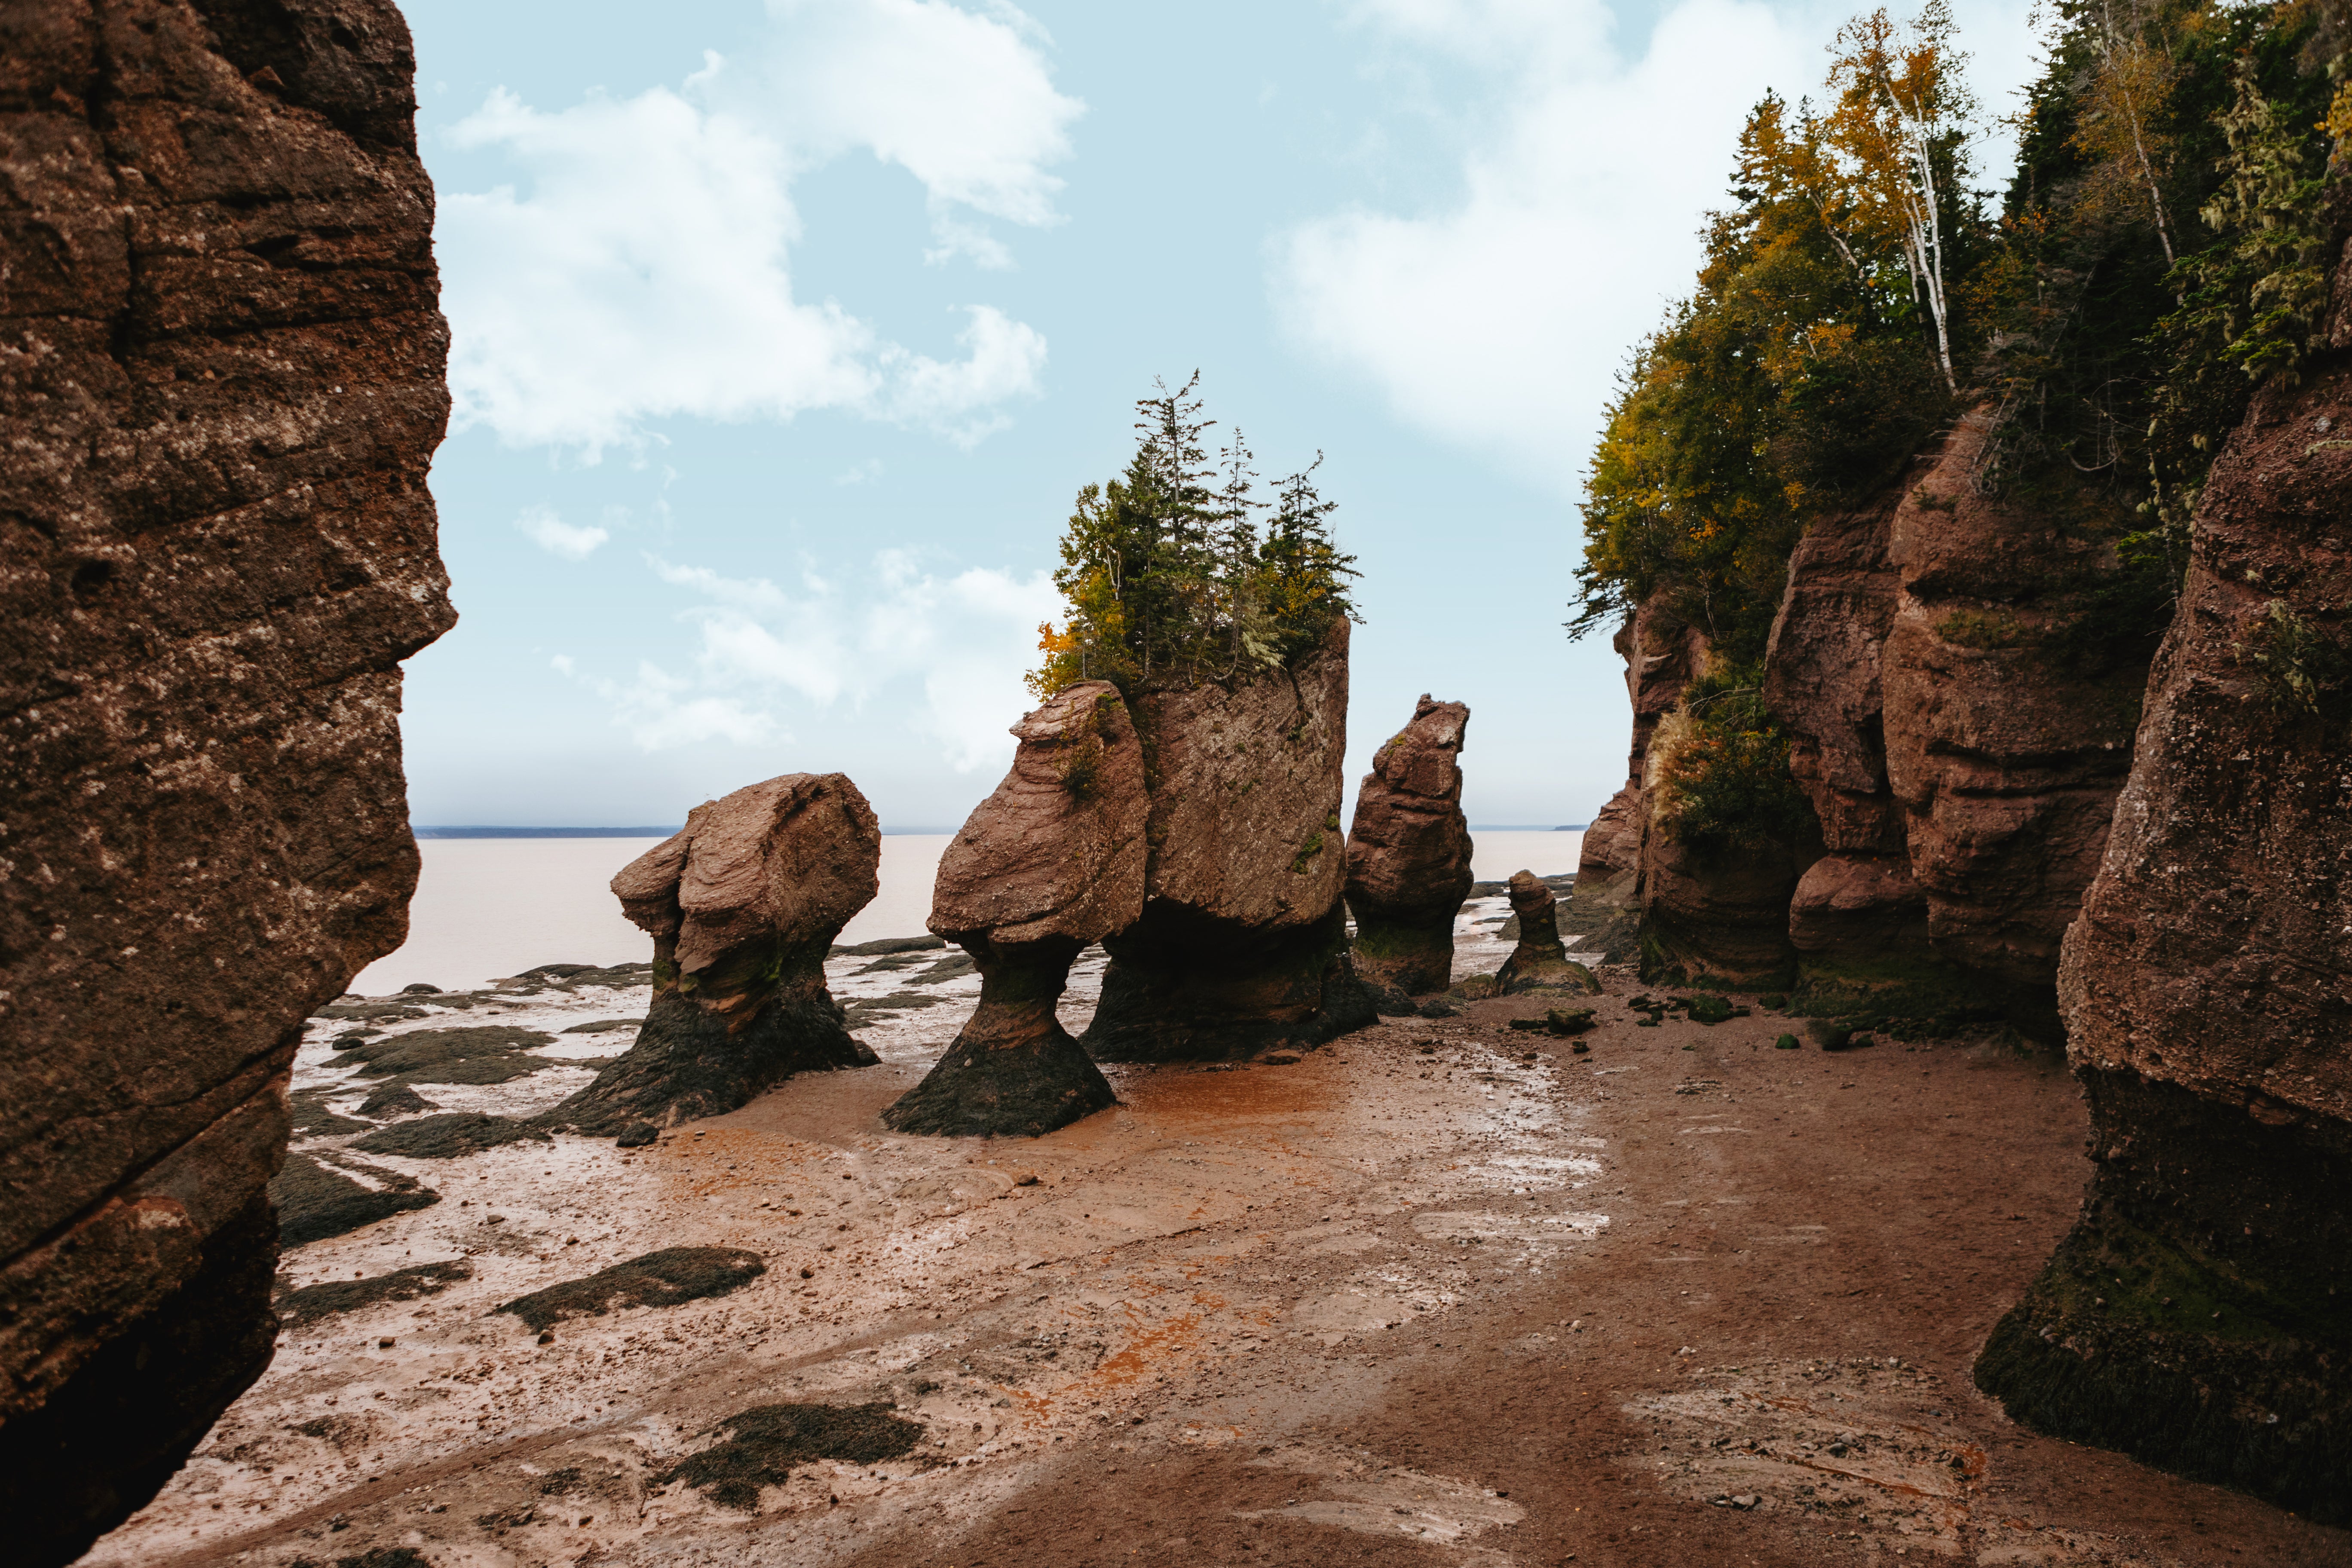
492 907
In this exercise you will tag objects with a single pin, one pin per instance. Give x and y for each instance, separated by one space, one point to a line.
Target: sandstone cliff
2198 1314
221 388
1242 944
1959 688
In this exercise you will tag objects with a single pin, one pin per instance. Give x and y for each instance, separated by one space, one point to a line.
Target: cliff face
220 382
1959 704
2011 700
1663 654
2197 1315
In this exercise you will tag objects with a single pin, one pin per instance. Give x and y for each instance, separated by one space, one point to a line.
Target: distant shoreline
666 832
595 832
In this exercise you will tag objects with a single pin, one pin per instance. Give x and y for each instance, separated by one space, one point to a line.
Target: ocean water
486 908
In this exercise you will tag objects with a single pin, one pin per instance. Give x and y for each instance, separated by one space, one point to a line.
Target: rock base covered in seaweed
1049 862
743 903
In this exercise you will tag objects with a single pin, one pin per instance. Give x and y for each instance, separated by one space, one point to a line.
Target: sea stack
1540 961
1052 861
1243 944
743 903
2197 1315
1408 853
222 390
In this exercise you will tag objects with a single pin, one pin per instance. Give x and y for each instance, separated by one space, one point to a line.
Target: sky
783 335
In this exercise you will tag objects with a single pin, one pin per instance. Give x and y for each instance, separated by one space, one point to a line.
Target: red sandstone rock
2208 996
1052 861
743 903
2005 753
1408 853
221 386
1242 945
1540 961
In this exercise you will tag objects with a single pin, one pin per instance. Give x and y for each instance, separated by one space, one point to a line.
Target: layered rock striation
1408 853
1052 861
1958 675
743 903
221 388
1242 944
2198 1315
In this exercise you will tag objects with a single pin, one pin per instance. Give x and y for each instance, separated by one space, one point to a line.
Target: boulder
1243 944
222 390
1050 862
2197 1315
743 903
1540 961
1408 853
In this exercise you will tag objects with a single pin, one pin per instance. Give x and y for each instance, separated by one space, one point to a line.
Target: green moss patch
762 1446
664 1278
449 1135
315 1201
315 1301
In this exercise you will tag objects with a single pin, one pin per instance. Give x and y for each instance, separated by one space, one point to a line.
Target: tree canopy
1178 571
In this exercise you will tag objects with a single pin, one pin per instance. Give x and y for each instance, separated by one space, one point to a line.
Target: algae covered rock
1050 862
1408 853
1243 944
743 903
1540 961
2198 1314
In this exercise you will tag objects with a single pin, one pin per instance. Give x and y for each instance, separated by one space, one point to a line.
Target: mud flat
1443 1292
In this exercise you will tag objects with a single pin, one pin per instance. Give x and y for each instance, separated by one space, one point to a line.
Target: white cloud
557 537
1498 323
967 640
639 269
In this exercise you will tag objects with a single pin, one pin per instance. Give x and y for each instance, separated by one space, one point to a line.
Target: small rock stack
1540 961
743 903
1408 853
1052 861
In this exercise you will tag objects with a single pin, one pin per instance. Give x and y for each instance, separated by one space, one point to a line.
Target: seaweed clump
765 1444
315 1301
664 1278
449 1135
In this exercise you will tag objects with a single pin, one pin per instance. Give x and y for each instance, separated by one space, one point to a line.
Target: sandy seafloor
912 1249
1440 1292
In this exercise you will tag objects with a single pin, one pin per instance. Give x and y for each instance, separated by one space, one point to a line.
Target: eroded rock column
1243 944
1408 853
2198 1314
1052 861
221 386
1540 961
743 903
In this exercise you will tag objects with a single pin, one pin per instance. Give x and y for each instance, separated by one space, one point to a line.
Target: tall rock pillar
1243 944
1050 862
1408 853
221 386
2200 1314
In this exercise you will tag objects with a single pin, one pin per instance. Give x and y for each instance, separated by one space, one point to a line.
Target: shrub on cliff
1719 775
1168 578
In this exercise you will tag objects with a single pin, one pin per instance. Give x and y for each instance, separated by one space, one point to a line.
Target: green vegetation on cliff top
2158 254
